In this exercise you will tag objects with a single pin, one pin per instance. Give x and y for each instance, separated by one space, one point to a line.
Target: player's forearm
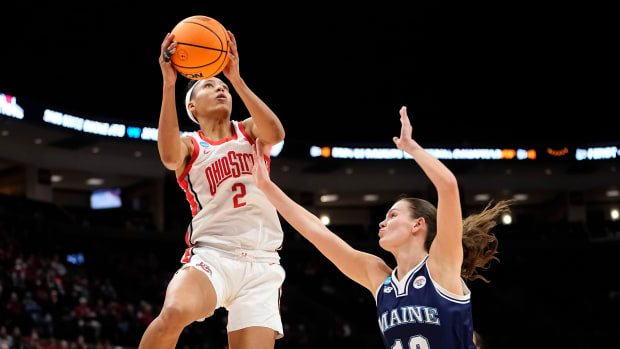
269 127
441 177
168 134
306 223
349 261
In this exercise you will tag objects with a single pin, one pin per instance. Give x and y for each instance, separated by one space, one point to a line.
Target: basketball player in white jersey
231 259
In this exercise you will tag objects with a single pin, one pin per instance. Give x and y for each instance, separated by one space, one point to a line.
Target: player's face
396 228
212 95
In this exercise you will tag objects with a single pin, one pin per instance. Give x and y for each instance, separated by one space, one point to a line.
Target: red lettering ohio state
232 165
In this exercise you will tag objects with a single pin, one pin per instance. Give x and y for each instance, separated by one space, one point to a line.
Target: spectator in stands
5 337
19 342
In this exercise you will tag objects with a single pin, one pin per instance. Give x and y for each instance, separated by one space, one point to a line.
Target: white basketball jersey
229 212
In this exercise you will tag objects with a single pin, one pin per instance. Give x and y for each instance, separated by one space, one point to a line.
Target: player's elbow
280 135
273 138
449 183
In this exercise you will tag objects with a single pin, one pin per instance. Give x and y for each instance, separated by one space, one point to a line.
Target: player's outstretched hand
405 142
259 169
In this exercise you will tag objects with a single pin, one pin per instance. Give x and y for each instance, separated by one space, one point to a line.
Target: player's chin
222 106
389 242
384 243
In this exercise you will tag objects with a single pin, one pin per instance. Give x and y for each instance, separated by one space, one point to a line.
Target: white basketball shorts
248 289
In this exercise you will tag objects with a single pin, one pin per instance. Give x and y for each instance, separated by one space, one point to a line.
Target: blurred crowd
62 290
64 284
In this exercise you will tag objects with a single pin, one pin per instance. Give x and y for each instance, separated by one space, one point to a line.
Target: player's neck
216 129
407 260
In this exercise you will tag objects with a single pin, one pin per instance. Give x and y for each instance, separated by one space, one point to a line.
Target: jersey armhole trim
460 299
377 293
242 129
191 161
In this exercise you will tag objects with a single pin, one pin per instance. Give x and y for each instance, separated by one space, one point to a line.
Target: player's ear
191 107
417 225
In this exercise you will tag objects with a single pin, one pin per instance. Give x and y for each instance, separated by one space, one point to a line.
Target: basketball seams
194 67
204 65
205 47
225 58
209 29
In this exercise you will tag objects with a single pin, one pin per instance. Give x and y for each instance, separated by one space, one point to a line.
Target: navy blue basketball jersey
417 313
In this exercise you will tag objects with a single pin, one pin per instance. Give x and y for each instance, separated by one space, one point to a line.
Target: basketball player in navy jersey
424 302
231 258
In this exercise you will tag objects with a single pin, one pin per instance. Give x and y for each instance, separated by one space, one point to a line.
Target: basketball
202 47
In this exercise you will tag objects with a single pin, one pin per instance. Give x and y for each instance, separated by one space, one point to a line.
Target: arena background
527 86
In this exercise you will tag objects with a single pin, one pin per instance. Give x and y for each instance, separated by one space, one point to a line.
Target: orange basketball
202 47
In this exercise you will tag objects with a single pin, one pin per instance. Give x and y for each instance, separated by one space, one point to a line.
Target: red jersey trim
242 129
221 141
183 182
187 255
191 161
190 198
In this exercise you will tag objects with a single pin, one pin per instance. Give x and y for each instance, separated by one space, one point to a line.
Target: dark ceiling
476 74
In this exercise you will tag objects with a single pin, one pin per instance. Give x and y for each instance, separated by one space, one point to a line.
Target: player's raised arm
446 252
172 150
264 123
365 269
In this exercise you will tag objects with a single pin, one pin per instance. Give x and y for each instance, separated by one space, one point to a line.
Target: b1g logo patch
419 282
204 267
387 289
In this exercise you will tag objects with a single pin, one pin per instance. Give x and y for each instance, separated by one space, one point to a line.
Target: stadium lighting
520 197
9 107
329 198
612 193
482 197
507 219
371 197
276 149
325 219
94 181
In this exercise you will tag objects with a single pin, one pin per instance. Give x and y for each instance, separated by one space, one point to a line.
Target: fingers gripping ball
202 47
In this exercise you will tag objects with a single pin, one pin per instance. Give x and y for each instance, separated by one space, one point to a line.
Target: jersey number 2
241 194
415 342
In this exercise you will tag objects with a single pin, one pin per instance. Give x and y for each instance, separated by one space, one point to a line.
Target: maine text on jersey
409 314
232 165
